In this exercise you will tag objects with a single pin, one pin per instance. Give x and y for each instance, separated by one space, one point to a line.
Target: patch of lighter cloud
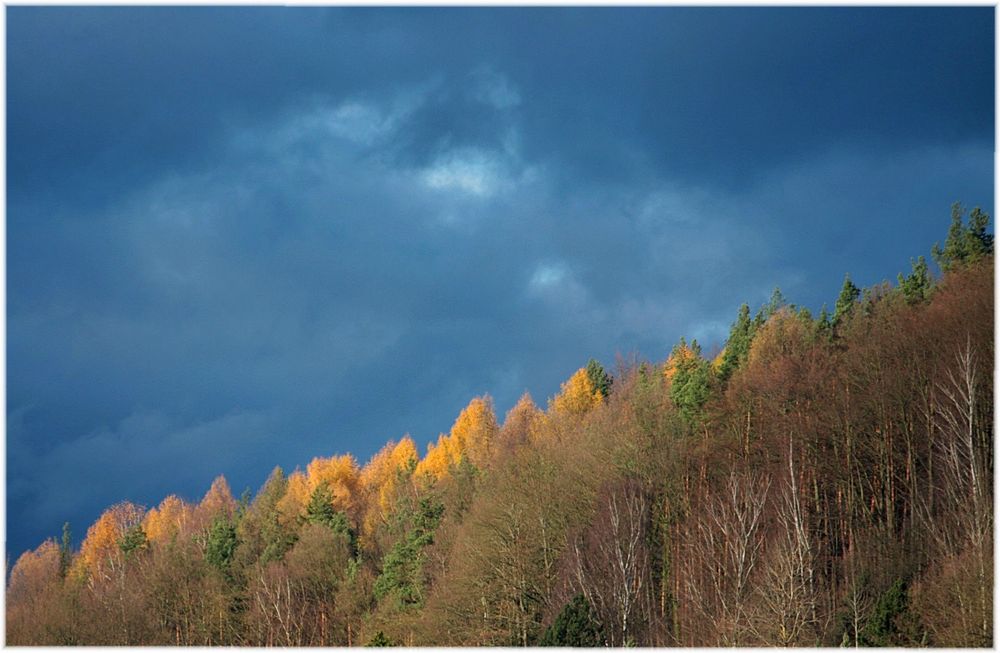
548 275
358 122
473 172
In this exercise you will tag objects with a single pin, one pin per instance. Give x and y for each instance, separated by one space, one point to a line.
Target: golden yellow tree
292 505
341 475
218 500
436 462
33 570
474 432
521 424
577 396
167 520
99 552
380 481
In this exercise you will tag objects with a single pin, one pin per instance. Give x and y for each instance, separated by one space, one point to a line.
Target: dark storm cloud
245 237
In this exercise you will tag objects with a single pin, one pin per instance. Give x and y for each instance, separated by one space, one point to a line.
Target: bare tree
724 547
611 564
958 511
787 597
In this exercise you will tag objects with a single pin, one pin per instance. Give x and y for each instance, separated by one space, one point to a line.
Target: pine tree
964 245
380 639
321 511
916 286
65 551
220 545
849 294
133 539
738 344
599 379
576 626
690 378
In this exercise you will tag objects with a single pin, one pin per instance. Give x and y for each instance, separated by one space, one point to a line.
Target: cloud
470 171
494 89
218 267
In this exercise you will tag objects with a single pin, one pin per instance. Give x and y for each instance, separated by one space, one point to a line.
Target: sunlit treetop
167 520
577 395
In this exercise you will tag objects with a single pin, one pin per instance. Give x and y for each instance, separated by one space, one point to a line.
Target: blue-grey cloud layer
245 237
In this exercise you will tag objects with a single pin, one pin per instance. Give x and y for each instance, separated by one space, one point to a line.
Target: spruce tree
738 345
220 545
599 379
916 286
849 294
65 551
964 245
576 626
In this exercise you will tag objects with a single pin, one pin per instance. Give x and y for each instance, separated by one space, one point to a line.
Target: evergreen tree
849 294
691 379
964 245
882 628
824 327
380 639
576 626
65 551
917 285
133 539
220 545
979 244
738 345
599 379
774 304
262 534
402 567
321 511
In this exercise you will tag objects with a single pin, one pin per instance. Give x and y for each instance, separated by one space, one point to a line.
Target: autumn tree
521 424
611 564
577 395
166 521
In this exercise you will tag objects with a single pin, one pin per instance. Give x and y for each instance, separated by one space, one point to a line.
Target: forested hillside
823 481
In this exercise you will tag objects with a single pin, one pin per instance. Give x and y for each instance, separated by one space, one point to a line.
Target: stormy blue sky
243 237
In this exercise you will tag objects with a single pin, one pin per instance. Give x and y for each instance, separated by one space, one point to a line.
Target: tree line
821 481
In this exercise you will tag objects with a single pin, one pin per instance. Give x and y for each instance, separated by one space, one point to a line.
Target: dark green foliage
738 345
598 377
849 294
321 511
220 544
133 539
402 568
916 286
882 628
261 534
776 303
691 382
575 626
65 551
380 639
964 244
823 324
